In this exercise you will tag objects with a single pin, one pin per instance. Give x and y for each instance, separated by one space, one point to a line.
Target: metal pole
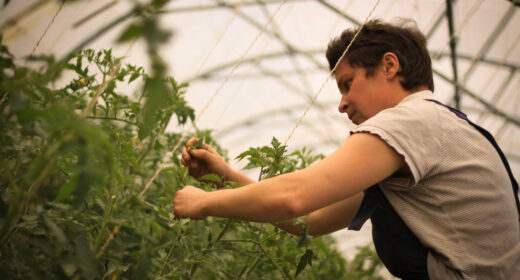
453 48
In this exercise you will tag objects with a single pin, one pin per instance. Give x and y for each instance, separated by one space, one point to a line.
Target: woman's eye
346 85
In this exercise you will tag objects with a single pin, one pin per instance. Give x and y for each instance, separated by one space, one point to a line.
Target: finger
207 147
199 153
176 213
186 155
192 164
173 210
191 142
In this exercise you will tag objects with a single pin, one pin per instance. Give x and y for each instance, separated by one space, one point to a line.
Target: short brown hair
375 39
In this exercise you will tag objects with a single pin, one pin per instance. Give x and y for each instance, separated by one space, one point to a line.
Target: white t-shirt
459 200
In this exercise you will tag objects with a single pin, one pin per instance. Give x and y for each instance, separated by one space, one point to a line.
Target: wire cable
328 76
45 31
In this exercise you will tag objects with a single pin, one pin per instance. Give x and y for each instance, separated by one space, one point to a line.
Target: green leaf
131 32
303 241
210 177
142 270
3 208
156 101
210 238
85 259
133 77
309 253
58 233
198 144
305 259
65 191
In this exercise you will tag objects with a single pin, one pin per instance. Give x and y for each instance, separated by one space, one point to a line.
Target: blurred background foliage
88 173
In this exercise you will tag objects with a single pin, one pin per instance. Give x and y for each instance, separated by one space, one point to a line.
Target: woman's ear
390 64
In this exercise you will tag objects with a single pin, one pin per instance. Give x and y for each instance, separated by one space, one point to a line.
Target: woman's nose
342 108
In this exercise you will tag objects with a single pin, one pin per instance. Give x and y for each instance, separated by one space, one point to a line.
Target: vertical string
184 135
339 17
330 75
435 15
235 66
83 7
219 38
45 31
249 71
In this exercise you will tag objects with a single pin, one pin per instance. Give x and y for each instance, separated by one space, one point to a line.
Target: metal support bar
491 108
290 48
489 42
339 12
198 8
453 50
257 118
435 25
308 91
498 93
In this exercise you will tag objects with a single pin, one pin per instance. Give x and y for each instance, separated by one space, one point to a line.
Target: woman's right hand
203 160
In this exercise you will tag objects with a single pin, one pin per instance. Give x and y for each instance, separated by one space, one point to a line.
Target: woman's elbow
292 199
292 207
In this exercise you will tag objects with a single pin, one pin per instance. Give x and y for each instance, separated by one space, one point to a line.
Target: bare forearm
290 227
327 219
265 201
237 177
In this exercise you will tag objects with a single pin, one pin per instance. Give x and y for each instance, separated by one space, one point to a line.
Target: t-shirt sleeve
413 131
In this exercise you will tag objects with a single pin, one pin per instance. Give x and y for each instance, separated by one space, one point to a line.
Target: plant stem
221 233
166 260
99 91
112 119
284 273
114 232
105 222
271 260
194 267
154 139
3 98
243 274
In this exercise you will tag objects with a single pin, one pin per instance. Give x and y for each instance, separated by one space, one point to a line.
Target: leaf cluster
273 160
77 199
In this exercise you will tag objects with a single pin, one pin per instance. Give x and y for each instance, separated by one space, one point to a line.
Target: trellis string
330 75
219 39
502 130
492 77
435 15
79 9
339 17
45 31
250 70
183 136
239 61
479 52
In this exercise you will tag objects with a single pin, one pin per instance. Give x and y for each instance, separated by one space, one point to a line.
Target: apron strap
494 143
397 246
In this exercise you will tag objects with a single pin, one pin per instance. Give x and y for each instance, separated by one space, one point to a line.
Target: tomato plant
88 173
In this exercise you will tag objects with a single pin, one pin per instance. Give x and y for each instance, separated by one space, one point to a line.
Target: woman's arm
362 161
327 219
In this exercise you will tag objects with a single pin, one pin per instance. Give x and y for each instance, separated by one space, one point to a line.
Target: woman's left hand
188 203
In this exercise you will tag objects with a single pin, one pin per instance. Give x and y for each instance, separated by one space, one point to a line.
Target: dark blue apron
397 246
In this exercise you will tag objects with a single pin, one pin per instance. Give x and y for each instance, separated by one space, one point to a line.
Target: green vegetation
88 174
